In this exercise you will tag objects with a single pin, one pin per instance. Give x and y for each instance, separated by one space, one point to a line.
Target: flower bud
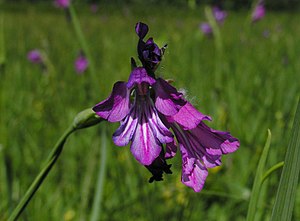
86 118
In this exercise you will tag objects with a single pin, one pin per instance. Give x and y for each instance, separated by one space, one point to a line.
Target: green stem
271 170
79 34
84 119
219 46
55 153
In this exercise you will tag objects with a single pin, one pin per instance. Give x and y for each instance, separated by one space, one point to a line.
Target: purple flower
81 64
94 7
148 109
206 28
62 3
35 56
258 13
219 14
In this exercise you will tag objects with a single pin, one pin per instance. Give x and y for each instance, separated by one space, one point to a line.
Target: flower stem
83 119
55 153
81 39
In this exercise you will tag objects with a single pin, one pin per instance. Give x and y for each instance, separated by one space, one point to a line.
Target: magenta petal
116 106
171 149
168 100
216 142
159 129
124 133
189 117
145 147
139 75
150 133
193 172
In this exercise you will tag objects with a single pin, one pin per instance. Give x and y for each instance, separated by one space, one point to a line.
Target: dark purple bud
158 167
141 29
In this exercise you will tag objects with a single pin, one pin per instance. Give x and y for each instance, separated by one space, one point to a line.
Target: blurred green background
251 85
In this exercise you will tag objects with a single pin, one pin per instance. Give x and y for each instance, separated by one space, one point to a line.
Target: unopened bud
86 118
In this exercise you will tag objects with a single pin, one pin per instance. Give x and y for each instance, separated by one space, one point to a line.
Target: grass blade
285 198
257 180
96 211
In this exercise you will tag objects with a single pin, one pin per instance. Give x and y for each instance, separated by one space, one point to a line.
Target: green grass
253 86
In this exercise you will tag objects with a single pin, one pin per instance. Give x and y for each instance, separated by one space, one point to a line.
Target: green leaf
255 193
286 194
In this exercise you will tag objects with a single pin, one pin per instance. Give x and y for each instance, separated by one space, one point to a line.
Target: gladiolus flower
81 64
149 108
35 56
206 28
258 13
219 14
62 3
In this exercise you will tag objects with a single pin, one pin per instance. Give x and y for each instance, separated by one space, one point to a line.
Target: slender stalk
82 41
55 153
219 63
271 170
2 47
84 119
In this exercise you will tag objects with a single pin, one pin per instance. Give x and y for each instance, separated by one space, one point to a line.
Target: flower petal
194 173
160 131
216 142
171 149
141 29
189 117
145 147
116 106
150 133
124 133
139 75
168 100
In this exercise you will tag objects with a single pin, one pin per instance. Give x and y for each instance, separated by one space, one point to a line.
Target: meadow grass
251 86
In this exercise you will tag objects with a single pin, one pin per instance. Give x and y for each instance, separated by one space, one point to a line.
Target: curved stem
271 170
55 153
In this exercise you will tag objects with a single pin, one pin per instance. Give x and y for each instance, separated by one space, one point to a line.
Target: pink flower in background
62 3
206 28
35 56
81 64
94 7
258 13
219 14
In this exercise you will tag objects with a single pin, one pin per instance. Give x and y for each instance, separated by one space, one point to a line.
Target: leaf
255 193
286 194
